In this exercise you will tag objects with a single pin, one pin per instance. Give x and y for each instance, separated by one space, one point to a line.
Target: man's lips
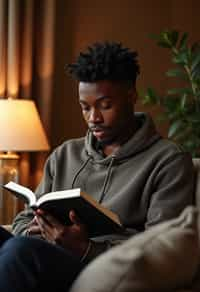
97 129
98 132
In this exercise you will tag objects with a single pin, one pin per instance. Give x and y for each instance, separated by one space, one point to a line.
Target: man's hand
33 228
73 237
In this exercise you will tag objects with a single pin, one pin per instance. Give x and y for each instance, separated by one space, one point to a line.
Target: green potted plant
180 105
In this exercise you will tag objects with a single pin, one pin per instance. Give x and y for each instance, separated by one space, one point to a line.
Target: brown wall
81 22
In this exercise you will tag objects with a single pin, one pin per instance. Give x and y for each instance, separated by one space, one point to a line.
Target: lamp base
8 202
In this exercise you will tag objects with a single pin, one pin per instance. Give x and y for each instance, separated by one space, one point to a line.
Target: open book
99 220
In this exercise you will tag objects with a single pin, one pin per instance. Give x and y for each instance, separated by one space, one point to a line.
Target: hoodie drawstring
80 169
106 179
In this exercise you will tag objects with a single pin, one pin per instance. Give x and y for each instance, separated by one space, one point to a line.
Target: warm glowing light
20 126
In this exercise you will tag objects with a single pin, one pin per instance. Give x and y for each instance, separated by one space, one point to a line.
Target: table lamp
20 130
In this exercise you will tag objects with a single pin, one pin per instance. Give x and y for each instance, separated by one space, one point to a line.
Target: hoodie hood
143 138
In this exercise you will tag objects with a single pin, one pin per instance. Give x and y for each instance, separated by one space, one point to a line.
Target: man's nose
95 116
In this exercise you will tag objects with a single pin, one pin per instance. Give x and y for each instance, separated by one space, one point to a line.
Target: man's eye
85 108
106 105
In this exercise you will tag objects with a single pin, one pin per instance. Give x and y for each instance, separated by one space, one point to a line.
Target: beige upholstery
197 189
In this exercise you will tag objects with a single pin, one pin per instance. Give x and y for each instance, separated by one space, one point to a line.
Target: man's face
107 108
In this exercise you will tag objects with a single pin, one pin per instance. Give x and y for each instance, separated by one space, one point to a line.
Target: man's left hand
73 237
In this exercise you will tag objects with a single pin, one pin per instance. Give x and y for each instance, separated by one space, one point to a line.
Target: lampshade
20 126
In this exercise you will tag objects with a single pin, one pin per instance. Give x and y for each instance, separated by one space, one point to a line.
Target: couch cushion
163 258
196 162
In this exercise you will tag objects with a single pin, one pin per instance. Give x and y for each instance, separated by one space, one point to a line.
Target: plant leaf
174 128
183 101
173 36
183 41
176 73
151 96
196 73
179 91
181 106
195 62
164 44
181 58
161 39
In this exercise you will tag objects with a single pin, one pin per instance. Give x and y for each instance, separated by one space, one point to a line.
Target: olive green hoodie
148 180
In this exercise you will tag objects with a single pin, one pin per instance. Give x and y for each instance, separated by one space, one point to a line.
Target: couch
164 258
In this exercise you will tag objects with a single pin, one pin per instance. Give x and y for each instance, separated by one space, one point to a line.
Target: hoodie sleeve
20 222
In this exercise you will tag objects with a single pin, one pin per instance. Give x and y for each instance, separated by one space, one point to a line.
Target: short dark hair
106 61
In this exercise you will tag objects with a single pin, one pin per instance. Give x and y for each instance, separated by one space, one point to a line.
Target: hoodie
148 180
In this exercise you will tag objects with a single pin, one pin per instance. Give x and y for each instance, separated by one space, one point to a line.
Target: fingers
33 228
74 218
47 218
45 228
50 227
54 222
53 231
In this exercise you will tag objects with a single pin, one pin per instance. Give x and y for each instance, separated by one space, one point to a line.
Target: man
122 162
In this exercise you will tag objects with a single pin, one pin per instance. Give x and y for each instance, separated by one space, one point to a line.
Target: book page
59 195
21 191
